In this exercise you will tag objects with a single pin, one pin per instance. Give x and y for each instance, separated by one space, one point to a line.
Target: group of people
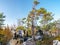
20 34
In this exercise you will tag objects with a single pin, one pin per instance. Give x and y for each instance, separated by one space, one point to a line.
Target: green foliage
1 19
51 26
48 16
57 38
20 28
41 11
46 41
53 29
28 21
23 18
1 37
36 2
37 27
4 37
29 32
46 27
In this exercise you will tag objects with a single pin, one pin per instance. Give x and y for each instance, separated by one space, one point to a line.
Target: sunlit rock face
56 42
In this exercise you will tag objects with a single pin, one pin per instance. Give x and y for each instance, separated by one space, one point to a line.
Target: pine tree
1 20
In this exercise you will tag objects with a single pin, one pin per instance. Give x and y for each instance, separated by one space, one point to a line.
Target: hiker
41 32
15 36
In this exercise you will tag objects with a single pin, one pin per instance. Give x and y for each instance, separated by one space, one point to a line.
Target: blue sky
16 9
